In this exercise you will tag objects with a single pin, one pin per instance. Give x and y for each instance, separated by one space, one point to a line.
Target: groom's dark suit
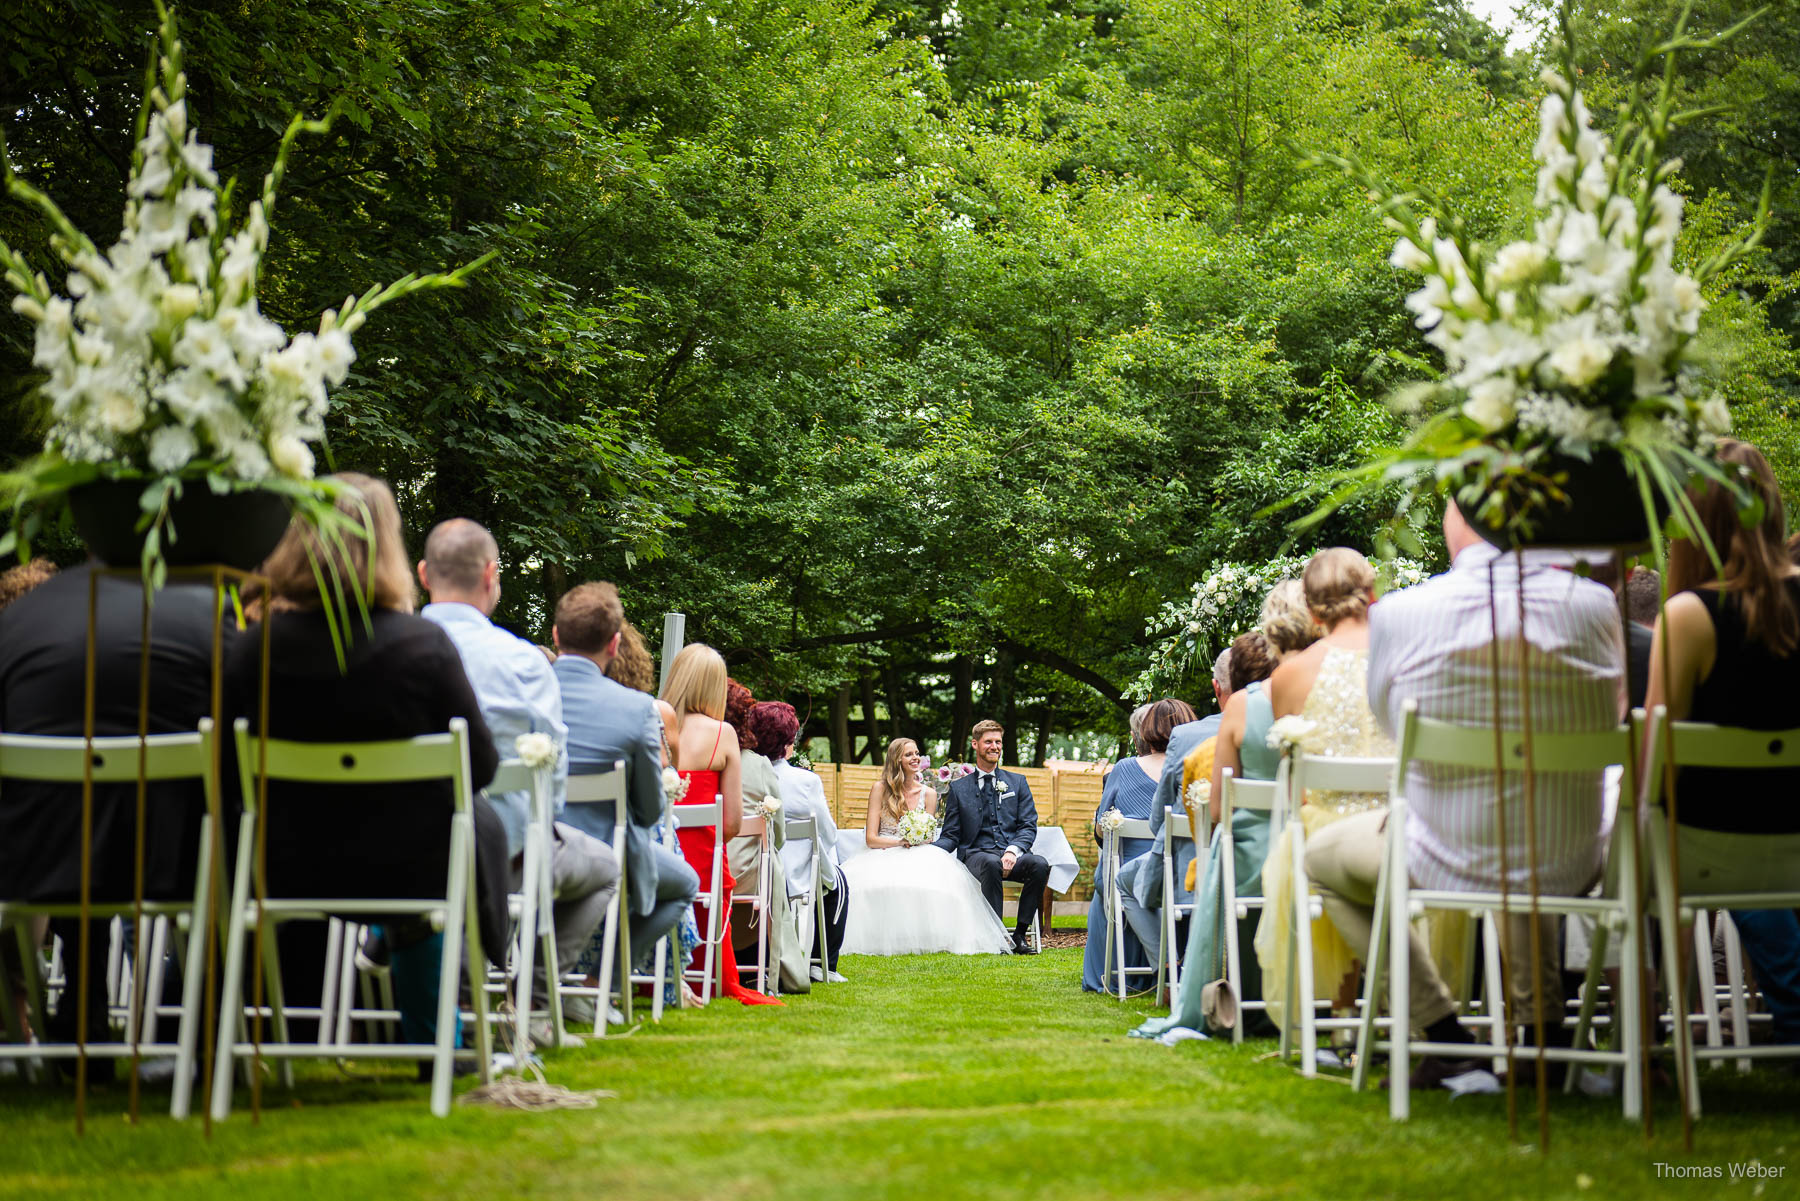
982 819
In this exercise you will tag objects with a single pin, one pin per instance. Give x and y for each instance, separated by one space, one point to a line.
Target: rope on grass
536 1095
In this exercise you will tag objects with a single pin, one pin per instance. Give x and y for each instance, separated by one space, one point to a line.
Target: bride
906 900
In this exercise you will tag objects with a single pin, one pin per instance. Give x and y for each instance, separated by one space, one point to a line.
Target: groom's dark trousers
1029 870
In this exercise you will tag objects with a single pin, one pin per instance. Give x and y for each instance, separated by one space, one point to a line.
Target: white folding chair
602 785
811 900
1177 827
430 757
1397 902
759 903
531 908
1259 796
1697 744
697 817
1111 854
115 760
1296 775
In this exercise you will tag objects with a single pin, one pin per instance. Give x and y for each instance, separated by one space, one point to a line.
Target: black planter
1603 508
237 529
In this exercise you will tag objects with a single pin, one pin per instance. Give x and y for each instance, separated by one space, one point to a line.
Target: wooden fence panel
854 782
1077 796
828 776
1043 792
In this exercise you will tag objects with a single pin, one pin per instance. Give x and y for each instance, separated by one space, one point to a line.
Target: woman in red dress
706 755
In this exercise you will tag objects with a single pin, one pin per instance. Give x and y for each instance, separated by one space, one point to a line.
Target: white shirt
1432 643
518 693
801 790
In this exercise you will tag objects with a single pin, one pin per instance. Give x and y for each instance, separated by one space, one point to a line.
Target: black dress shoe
1022 946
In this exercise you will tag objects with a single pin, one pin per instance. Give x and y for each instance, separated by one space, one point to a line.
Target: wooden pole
674 631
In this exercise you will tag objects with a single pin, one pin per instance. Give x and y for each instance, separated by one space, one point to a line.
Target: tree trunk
1046 716
1001 702
840 724
962 706
877 745
898 714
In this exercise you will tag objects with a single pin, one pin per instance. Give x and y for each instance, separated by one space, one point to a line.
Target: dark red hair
774 724
738 703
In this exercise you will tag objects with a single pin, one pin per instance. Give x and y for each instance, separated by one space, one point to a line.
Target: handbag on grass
1218 1000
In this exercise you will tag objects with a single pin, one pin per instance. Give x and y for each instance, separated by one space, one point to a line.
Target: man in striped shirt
1435 644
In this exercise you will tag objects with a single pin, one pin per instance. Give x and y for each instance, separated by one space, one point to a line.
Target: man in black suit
43 664
990 822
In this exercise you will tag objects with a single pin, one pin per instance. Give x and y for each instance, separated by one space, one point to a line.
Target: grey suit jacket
608 721
1143 876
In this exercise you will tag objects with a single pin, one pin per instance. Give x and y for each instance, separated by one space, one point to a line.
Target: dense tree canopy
918 352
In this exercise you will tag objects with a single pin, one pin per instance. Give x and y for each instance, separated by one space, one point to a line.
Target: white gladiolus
179 302
1517 263
1408 257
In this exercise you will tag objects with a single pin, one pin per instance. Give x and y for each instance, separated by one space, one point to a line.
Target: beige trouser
1344 860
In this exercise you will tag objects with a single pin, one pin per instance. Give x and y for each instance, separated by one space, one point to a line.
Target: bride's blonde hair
893 778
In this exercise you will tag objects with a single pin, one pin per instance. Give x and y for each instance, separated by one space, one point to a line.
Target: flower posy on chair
1570 382
162 371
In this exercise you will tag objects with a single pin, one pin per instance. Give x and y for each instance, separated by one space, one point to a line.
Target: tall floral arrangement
1569 345
159 365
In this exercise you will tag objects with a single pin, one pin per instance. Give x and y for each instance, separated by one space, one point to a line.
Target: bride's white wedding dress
910 900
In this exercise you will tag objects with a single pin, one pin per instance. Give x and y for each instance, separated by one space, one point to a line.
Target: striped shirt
1433 643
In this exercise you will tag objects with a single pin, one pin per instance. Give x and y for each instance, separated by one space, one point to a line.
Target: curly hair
633 666
1338 582
1286 621
738 703
773 726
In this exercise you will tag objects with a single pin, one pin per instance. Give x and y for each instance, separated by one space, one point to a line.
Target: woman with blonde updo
1327 683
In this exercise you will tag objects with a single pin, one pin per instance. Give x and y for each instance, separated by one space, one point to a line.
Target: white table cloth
1051 843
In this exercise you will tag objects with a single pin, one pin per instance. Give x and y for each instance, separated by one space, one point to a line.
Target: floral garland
1188 633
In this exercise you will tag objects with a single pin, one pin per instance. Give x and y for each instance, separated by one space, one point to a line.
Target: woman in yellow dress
1326 684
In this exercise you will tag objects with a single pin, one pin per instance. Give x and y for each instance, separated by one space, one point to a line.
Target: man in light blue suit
1142 878
609 722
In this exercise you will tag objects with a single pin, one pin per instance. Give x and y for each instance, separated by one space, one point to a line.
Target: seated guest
633 666
1432 644
401 677
706 754
1144 875
1129 789
1244 734
775 726
608 722
1326 683
17 581
786 955
519 695
43 674
1731 642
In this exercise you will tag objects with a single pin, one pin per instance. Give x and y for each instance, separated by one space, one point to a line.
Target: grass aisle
931 1077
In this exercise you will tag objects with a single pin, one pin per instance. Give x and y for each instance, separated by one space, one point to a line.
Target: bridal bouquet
1569 348
917 828
159 366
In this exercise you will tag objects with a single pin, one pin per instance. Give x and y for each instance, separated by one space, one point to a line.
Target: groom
990 823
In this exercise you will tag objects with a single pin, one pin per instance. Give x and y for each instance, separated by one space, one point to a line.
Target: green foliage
924 347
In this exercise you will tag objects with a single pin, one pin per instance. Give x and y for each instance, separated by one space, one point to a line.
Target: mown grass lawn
926 1078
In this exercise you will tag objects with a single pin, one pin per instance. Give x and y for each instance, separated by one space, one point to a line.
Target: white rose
1715 416
1581 360
1490 403
536 750
121 411
248 462
291 457
171 448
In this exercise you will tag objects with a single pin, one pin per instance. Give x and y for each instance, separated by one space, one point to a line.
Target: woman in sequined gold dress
1328 684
